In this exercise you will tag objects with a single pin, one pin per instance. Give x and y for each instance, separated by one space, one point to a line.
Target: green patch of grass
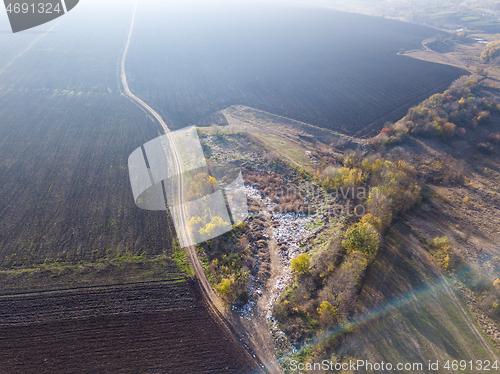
485 23
469 18
129 257
52 275
311 226
443 14
288 148
179 257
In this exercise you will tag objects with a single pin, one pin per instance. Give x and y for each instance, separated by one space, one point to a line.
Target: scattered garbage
289 230
311 157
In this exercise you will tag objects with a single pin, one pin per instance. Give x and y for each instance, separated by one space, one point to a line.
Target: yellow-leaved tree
301 264
362 237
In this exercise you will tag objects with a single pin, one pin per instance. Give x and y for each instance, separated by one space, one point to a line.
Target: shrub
343 177
372 220
440 115
228 272
441 243
485 148
352 177
301 264
494 138
328 314
215 223
441 252
490 51
362 237
449 129
483 116
271 157
224 286
341 288
380 206
326 307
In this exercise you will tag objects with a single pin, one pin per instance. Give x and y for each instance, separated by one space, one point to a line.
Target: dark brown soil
153 328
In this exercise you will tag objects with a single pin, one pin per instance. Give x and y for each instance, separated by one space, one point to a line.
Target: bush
485 148
490 51
228 273
224 286
449 129
344 177
372 220
178 256
328 314
362 237
442 115
447 170
441 252
494 138
301 264
326 307
341 288
380 206
271 157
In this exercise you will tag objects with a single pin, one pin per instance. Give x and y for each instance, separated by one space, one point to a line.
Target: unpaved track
211 300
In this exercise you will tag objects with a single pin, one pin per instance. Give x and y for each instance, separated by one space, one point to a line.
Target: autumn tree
328 313
441 252
449 129
372 220
362 237
301 264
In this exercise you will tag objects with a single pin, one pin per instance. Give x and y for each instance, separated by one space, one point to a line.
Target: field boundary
96 287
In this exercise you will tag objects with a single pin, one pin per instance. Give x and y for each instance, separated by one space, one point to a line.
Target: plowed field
153 328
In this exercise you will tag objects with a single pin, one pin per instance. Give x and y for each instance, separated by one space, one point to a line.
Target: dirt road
211 300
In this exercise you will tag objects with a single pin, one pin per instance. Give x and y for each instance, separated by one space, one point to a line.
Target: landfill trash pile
289 230
311 157
255 284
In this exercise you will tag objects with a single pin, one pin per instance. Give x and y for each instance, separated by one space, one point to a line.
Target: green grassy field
405 295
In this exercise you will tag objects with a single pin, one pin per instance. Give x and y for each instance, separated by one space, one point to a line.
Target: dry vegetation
456 113
457 222
405 177
324 293
231 259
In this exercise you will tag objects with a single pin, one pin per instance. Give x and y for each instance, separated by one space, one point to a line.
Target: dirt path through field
213 303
